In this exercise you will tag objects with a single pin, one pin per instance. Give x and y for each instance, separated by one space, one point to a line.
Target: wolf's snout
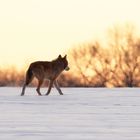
67 68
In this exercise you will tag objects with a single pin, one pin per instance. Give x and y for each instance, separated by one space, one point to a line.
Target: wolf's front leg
57 87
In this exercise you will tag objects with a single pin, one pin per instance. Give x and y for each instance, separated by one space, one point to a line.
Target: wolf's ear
59 56
65 56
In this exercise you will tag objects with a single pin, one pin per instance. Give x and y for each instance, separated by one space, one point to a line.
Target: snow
80 114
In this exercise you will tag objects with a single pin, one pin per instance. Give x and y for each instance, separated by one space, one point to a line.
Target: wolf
49 70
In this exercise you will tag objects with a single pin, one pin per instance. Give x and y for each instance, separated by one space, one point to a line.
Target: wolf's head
64 61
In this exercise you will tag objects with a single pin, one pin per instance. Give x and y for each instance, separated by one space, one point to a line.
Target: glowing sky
41 29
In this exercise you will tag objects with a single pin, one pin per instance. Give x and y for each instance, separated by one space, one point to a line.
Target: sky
33 30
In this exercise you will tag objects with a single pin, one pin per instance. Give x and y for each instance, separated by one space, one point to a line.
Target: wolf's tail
29 76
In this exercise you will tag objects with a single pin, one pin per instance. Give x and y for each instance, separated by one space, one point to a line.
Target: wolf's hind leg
24 86
50 87
23 89
40 82
57 87
29 78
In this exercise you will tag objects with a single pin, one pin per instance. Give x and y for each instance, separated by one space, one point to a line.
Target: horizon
41 30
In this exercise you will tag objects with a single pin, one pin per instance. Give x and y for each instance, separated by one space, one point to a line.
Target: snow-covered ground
81 114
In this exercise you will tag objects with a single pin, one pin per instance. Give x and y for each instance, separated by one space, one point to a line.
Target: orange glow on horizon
33 30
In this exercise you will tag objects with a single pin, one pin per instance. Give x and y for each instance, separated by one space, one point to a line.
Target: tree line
114 64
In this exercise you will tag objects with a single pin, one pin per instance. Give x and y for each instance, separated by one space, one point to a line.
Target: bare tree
126 48
117 65
92 63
